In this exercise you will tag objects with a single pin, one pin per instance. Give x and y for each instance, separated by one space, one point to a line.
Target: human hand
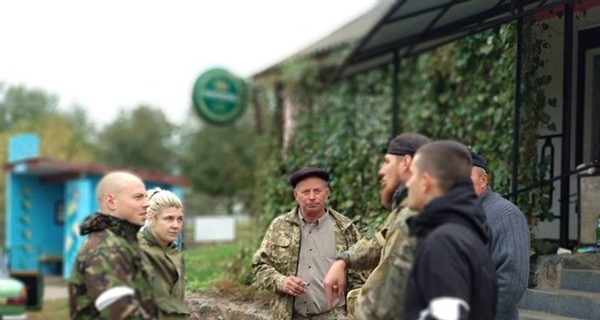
294 286
335 282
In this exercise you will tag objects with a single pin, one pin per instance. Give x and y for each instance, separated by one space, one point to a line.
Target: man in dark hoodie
109 281
453 276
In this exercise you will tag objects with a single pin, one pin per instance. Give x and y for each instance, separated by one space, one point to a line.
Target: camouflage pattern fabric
367 253
110 257
277 257
168 281
382 295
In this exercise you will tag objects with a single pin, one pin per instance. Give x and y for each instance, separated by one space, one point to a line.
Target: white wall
214 229
554 67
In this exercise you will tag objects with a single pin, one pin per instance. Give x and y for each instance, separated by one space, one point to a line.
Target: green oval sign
218 97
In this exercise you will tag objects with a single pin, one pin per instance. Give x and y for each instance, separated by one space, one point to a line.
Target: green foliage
206 264
346 136
241 264
220 161
20 103
463 91
141 138
536 203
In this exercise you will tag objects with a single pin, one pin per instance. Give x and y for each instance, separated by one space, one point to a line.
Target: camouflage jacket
367 253
168 282
382 296
277 257
110 257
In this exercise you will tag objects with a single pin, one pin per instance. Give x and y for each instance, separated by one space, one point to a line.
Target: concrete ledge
582 280
549 268
566 303
536 315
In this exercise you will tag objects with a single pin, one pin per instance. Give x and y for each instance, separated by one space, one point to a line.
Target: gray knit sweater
510 251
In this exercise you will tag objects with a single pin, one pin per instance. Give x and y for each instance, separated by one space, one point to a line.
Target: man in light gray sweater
510 242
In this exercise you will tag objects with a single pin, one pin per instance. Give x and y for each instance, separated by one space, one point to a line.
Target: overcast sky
107 55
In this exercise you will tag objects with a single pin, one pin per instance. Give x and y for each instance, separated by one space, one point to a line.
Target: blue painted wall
23 146
32 228
79 204
43 219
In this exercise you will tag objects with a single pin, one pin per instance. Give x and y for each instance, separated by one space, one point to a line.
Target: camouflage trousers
338 313
351 302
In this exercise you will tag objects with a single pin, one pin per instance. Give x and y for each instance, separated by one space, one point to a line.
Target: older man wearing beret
389 252
510 241
300 246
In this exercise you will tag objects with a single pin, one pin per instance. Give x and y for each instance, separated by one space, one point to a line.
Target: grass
52 309
205 264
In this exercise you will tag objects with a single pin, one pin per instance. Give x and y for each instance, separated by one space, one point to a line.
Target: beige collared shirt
317 254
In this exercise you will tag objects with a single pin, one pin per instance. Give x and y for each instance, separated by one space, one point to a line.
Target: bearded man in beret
389 252
298 249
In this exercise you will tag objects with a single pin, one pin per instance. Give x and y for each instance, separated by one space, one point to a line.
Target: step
537 315
563 302
583 280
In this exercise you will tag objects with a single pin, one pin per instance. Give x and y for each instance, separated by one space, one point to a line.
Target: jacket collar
293 217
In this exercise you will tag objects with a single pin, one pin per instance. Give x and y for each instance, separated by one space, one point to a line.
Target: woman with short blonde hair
158 240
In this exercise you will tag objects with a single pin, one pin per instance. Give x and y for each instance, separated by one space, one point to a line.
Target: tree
141 138
19 103
220 162
62 135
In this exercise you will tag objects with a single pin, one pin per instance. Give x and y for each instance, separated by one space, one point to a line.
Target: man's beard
385 196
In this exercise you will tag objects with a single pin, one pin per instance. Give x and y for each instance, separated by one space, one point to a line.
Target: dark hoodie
100 222
451 261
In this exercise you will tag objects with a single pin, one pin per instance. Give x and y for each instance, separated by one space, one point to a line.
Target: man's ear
406 161
485 179
110 201
428 182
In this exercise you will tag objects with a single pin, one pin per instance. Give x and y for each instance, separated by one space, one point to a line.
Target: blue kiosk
47 200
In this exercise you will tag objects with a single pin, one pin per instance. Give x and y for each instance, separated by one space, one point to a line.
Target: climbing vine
463 91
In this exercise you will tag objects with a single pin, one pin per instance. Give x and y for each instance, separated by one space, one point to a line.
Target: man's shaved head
123 195
113 183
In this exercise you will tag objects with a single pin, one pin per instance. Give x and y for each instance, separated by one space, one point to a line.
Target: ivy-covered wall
462 91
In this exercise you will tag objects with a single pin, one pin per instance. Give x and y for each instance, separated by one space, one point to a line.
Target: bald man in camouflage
108 280
390 251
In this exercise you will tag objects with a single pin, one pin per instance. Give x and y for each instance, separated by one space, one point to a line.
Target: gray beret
307 172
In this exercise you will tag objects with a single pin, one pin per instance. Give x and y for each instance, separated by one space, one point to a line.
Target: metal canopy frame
411 27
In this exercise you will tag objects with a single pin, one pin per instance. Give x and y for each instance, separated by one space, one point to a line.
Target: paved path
54 292
55 288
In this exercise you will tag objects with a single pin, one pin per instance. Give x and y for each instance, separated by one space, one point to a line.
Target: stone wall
548 269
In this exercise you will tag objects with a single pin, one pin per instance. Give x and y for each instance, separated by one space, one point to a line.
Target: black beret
406 144
307 172
478 161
